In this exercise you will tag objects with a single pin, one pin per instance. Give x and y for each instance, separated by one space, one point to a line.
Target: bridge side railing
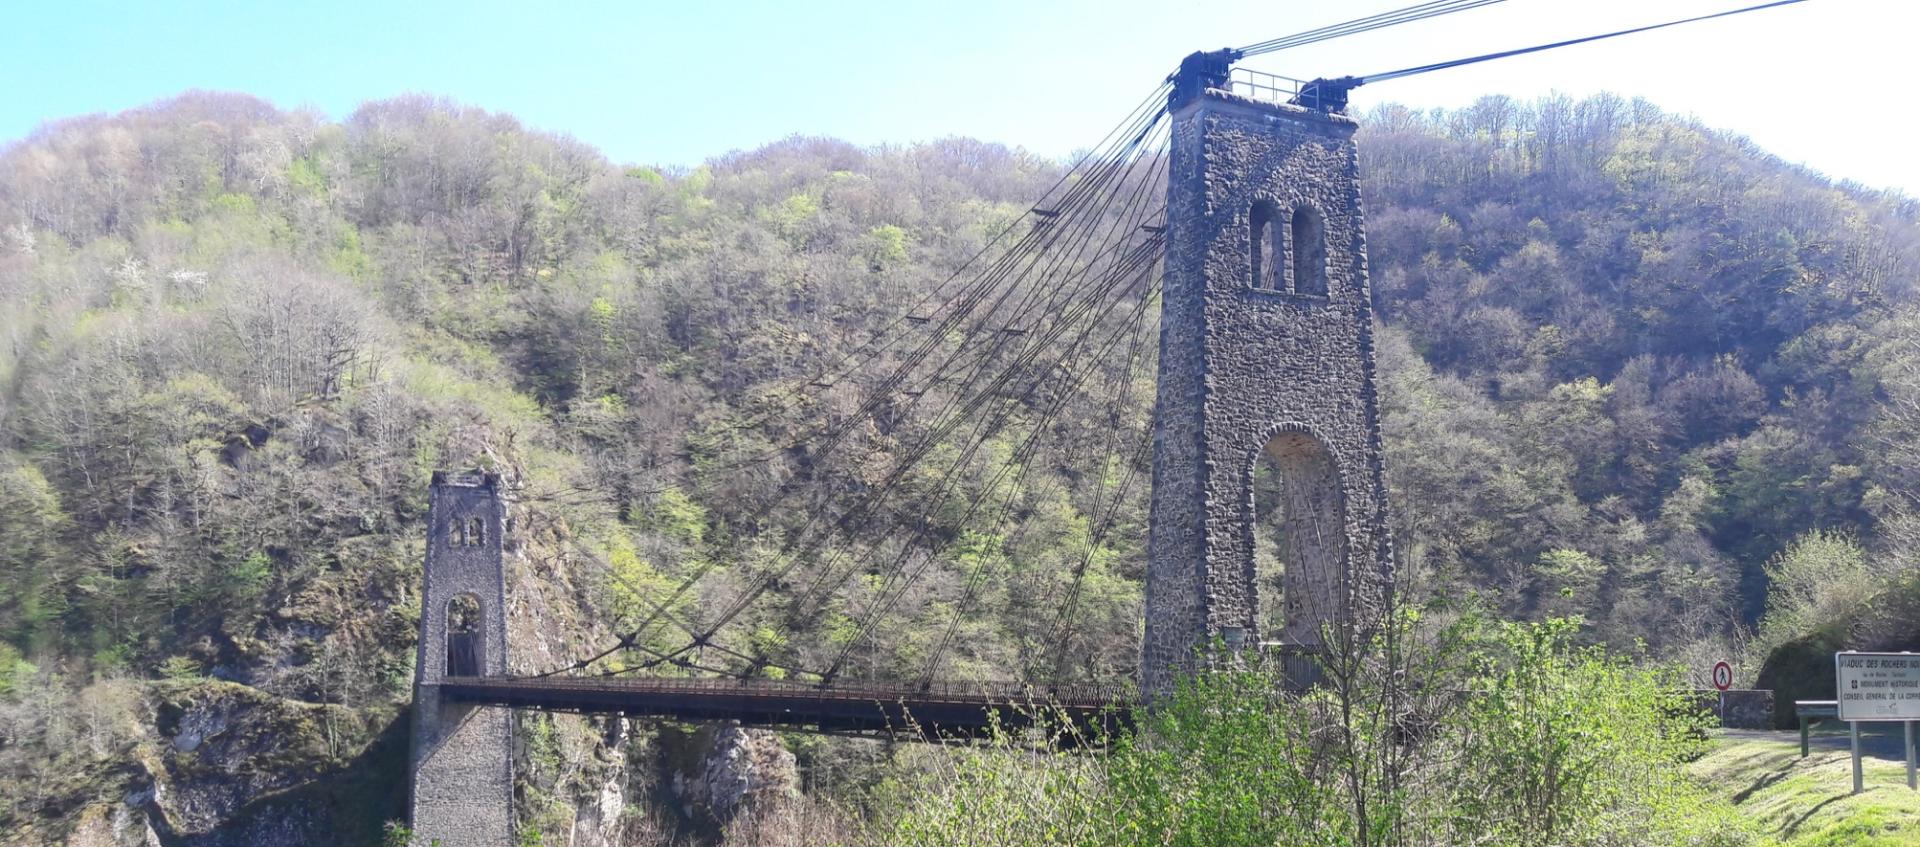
1299 664
1012 693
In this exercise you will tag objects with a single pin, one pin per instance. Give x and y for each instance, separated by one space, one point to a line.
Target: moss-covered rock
234 765
1801 669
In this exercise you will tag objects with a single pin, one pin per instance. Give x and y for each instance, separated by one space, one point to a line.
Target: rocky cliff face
226 765
241 767
112 825
740 770
247 761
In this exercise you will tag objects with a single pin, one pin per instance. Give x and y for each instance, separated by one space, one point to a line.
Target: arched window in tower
477 532
1268 250
463 636
1309 243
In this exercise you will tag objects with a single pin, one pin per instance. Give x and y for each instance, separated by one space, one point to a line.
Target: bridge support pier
462 757
1266 362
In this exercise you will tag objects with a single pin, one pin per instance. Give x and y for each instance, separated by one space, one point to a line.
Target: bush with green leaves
1530 740
1558 744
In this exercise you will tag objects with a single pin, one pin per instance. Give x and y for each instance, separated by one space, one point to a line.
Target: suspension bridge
1211 245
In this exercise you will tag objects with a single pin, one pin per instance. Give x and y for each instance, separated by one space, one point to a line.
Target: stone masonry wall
1246 373
1740 708
462 755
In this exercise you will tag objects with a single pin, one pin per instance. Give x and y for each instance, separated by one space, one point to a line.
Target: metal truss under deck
937 709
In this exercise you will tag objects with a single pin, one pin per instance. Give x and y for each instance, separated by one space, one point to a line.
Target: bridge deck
943 708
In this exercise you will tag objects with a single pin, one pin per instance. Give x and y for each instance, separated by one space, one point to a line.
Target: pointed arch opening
1267 247
1299 543
463 636
1308 242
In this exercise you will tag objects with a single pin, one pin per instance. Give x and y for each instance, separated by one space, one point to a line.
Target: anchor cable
1436 66
1409 14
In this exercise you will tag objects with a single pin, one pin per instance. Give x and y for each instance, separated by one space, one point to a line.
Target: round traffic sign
1722 675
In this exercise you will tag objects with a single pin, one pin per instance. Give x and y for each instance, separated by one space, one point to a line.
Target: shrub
1560 744
1825 591
1532 741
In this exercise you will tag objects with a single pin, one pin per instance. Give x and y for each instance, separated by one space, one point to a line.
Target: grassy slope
1807 803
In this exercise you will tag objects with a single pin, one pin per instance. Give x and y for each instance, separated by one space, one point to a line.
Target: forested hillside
1631 368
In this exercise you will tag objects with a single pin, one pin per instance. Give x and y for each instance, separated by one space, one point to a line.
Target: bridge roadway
940 708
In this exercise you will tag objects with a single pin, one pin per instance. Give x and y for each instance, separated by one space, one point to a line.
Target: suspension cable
1140 272
888 595
1409 14
947 419
1420 69
969 320
886 336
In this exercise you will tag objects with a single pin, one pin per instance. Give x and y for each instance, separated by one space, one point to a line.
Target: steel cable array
1409 14
1440 66
1023 313
986 342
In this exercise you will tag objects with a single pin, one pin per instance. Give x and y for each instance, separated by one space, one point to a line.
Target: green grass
1809 802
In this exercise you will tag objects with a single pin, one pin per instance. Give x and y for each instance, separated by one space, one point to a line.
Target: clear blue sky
676 83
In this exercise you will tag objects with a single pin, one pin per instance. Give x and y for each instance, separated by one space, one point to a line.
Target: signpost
1877 687
1722 680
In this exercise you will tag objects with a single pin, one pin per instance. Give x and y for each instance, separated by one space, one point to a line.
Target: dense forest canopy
1626 361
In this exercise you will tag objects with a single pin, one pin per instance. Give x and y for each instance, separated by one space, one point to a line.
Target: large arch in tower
1296 523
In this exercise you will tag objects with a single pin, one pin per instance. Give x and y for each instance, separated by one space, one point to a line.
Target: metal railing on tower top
1264 87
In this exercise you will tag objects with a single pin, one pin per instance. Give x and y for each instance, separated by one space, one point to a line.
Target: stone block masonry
462 758
1740 708
1266 354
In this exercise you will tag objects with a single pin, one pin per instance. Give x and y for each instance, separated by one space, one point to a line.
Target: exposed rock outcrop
740 769
238 766
115 825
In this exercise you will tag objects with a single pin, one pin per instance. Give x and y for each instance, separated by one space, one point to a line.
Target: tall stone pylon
1266 355
462 759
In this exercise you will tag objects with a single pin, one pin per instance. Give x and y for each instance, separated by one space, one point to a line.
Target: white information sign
1878 686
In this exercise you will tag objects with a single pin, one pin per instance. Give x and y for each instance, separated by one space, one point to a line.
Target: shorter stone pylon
462 761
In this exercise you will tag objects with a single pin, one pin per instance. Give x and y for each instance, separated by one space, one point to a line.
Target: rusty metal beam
936 710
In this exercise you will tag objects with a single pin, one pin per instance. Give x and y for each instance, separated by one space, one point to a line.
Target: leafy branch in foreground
1520 737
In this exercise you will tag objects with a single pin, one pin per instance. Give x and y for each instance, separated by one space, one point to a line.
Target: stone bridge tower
462 755
1266 356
